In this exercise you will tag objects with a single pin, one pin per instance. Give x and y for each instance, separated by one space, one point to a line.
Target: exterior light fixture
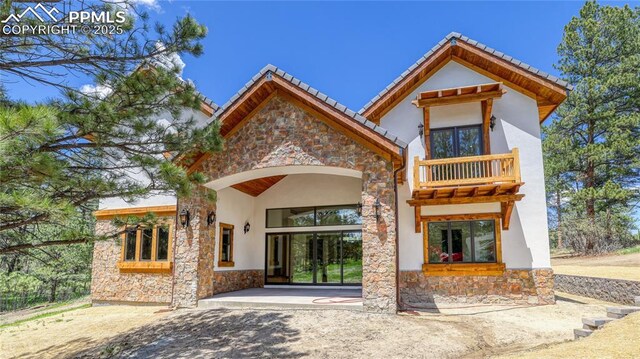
492 122
359 209
184 218
211 218
378 207
247 227
421 130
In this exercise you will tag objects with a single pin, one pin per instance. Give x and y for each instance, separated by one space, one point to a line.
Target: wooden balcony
462 180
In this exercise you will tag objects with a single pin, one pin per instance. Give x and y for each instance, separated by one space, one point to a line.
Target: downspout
403 152
176 219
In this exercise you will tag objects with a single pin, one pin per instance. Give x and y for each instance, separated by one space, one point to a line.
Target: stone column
193 252
379 240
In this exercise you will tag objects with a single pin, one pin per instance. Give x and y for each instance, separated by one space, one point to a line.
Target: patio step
595 323
620 312
582 333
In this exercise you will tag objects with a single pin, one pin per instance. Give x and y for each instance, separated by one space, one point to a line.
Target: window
130 244
456 141
162 238
146 244
314 216
225 254
462 242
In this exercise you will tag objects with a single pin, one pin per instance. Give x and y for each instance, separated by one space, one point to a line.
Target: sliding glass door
322 258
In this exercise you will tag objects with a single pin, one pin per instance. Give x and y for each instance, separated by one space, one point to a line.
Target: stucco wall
526 243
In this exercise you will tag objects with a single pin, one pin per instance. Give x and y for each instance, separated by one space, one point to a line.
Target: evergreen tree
592 146
58 158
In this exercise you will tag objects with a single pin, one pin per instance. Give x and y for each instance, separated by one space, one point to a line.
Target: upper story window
460 141
313 216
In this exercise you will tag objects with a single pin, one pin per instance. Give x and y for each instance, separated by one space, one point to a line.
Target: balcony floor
495 192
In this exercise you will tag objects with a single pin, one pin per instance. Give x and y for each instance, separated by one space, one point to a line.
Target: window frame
496 268
315 216
146 265
456 139
231 228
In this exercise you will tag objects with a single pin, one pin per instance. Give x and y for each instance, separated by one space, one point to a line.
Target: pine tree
592 145
58 158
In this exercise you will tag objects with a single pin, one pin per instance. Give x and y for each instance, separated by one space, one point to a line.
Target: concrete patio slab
296 298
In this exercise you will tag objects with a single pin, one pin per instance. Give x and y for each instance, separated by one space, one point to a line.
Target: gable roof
548 90
271 81
280 80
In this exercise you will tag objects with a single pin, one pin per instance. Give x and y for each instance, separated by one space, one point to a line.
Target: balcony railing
461 171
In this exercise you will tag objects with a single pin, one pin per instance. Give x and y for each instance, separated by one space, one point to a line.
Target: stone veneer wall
607 289
108 284
193 252
231 280
514 286
282 134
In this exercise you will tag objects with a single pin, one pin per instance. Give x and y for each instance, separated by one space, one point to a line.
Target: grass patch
630 250
44 315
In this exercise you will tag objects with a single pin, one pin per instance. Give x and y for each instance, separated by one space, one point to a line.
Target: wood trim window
225 245
468 244
146 249
459 141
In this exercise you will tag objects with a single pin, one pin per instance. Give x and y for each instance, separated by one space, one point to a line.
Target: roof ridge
474 43
314 92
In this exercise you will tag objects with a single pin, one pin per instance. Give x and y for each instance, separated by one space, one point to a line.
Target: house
432 192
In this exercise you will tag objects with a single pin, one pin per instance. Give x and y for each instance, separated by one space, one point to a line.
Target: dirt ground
619 339
470 331
610 266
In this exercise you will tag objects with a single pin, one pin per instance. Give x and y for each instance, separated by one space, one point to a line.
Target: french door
456 142
320 258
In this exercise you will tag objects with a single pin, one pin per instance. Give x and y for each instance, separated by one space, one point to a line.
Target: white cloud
96 91
169 61
128 4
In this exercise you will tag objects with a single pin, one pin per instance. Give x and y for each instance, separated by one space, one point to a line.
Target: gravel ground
138 332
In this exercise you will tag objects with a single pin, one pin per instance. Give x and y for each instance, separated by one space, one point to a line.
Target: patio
287 297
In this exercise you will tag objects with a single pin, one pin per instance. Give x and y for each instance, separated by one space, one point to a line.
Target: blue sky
350 51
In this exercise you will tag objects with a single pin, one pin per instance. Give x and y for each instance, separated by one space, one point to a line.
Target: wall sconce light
421 130
184 218
359 209
211 218
492 122
378 207
247 227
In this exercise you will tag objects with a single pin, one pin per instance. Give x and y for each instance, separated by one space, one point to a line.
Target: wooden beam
135 211
461 217
465 200
426 116
506 209
417 210
474 97
487 106
434 195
